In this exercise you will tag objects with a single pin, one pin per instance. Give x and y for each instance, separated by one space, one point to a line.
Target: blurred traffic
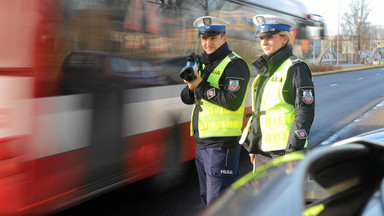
89 98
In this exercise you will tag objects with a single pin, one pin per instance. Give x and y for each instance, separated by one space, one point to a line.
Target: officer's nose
209 41
264 42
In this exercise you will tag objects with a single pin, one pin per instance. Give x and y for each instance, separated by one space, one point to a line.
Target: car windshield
247 194
268 172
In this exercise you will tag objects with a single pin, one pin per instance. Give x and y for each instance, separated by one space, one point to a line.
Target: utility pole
314 52
338 34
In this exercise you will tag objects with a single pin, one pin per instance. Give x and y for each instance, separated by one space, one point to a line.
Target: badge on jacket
301 134
211 93
307 96
234 85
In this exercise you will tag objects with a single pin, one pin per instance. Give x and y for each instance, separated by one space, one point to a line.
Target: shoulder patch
233 85
307 96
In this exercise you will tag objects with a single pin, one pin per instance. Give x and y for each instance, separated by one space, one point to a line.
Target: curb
347 69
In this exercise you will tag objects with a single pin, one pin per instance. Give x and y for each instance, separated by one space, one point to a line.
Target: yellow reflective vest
214 120
276 115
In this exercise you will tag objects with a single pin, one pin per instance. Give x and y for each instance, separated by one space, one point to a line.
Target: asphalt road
347 104
343 97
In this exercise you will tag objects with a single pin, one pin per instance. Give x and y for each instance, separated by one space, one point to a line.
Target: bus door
85 72
105 152
106 140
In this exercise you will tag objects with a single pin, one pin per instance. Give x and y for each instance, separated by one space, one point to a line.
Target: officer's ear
224 36
287 37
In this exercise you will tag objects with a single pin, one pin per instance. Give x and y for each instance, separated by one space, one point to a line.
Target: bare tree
208 6
356 23
377 32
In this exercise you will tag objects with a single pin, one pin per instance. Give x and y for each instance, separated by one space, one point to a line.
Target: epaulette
232 56
294 59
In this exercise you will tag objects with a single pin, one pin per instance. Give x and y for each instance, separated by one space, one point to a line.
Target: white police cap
210 26
267 25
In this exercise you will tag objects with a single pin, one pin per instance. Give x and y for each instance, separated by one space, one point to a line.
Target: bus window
83 65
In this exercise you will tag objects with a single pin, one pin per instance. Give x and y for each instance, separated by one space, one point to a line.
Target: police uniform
283 98
217 117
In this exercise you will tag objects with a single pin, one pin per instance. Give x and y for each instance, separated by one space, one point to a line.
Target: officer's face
272 43
211 43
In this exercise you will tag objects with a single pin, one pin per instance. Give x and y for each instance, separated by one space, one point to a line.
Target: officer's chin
210 51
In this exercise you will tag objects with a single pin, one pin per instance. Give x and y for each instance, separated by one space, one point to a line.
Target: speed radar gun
188 71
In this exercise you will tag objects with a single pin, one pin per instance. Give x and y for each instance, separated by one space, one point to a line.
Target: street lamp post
314 52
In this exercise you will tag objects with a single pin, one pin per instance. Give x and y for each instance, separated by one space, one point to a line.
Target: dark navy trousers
217 168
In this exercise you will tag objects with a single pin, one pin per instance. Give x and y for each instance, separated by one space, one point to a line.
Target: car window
83 64
374 207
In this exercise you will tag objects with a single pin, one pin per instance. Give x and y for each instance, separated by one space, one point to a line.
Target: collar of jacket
267 65
218 54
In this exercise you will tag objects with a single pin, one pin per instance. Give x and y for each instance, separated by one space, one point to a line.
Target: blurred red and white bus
89 92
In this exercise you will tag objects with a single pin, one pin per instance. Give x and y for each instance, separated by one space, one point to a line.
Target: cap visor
267 33
210 33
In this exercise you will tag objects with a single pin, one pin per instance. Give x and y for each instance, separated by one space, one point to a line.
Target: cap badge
260 20
207 22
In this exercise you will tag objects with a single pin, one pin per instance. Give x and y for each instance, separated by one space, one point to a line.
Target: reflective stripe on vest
215 120
247 128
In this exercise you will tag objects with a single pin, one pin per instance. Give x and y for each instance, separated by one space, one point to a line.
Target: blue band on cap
215 27
273 26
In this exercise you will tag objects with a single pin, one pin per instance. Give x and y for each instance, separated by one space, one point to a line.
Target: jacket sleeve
233 86
301 93
187 96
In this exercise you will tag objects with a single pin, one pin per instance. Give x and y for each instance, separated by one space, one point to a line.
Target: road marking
350 126
361 78
334 84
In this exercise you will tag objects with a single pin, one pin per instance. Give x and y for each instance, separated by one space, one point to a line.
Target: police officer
283 101
218 94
